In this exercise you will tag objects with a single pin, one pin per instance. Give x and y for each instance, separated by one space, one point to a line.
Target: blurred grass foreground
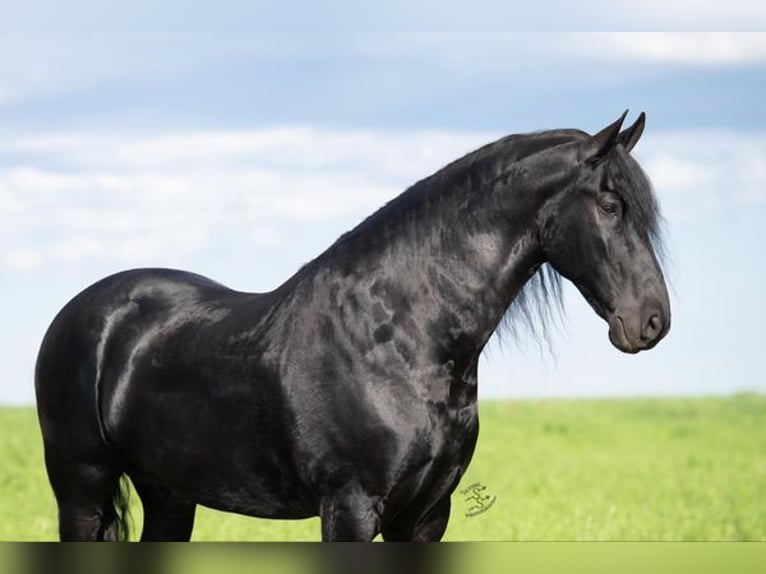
565 470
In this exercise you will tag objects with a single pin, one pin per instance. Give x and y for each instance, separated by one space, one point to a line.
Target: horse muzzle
634 331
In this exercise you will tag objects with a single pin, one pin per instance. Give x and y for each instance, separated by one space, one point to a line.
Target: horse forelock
642 208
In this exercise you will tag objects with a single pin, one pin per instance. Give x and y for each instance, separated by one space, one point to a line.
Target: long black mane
446 189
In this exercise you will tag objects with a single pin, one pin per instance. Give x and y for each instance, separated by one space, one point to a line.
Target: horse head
602 233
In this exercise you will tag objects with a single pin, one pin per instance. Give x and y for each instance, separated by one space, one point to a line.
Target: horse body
349 392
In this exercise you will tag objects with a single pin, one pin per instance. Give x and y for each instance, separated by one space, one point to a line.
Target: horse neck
480 261
457 256
496 249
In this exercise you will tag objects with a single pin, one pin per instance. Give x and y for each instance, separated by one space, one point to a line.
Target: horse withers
348 392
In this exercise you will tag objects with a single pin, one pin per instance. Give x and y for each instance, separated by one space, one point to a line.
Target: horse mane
538 305
444 187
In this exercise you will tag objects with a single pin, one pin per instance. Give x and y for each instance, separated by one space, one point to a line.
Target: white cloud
77 247
20 259
674 174
698 48
695 171
130 198
753 178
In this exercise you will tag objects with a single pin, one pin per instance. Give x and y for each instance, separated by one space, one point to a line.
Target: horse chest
437 463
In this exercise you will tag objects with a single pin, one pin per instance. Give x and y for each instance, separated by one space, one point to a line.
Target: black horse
348 392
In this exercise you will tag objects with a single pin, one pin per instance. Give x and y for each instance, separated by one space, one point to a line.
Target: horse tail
121 502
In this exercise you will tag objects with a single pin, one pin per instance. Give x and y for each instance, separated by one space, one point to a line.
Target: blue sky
242 156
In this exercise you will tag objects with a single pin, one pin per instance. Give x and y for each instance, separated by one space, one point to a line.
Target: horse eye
611 204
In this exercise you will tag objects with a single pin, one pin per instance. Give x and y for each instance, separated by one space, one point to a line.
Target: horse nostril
653 327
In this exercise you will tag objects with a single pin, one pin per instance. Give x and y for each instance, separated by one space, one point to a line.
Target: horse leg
428 529
84 494
167 518
349 519
432 528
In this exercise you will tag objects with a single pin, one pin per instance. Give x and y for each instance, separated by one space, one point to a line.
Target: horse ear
603 141
629 137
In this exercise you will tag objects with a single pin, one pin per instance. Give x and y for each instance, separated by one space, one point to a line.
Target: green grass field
627 469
